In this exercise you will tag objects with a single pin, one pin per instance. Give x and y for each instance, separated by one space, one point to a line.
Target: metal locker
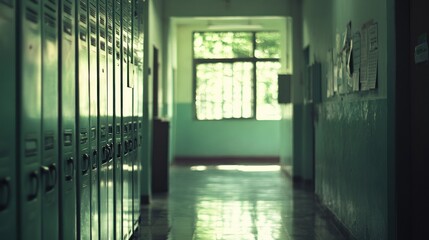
118 118
83 162
110 120
93 119
29 117
8 180
67 157
103 124
48 169
127 114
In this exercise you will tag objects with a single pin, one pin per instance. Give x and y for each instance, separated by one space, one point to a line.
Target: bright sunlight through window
236 75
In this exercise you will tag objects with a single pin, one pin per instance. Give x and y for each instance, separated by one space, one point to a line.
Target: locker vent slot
49 142
47 7
30 147
103 45
93 41
103 131
93 133
110 38
83 6
82 18
110 26
68 9
83 137
68 28
118 129
7 2
92 11
31 15
49 20
83 35
103 34
93 29
68 137
102 21
35 1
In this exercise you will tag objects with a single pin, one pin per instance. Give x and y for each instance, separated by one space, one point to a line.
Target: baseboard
225 160
338 224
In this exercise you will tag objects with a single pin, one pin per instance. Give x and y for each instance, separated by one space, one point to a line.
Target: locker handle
45 174
112 151
70 164
106 152
119 150
85 158
5 188
53 176
34 179
94 159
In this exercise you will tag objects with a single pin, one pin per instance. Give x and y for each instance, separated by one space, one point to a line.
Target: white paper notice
372 56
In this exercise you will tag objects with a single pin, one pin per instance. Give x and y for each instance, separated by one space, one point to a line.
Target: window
236 75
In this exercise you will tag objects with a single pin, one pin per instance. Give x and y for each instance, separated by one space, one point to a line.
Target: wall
153 37
214 138
352 150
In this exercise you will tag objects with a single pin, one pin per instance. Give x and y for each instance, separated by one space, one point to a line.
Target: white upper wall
188 8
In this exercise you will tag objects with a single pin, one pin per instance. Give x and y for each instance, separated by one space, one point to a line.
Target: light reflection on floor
234 202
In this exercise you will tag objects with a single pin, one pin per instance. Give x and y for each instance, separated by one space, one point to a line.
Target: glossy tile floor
234 203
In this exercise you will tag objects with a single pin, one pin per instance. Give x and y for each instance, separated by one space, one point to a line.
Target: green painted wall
194 138
224 138
352 149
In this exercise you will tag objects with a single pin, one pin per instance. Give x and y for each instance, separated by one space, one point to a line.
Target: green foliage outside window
236 75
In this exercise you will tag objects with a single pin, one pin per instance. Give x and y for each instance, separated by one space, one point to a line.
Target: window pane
224 90
223 45
266 75
267 45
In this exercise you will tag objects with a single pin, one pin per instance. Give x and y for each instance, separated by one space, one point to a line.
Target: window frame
254 60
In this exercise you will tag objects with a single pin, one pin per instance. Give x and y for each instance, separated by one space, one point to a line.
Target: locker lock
5 193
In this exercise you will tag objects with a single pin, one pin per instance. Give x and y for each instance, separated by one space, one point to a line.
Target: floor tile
234 202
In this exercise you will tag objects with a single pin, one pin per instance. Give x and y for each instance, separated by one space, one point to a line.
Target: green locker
8 180
93 120
127 114
48 169
118 157
110 120
67 158
30 119
102 104
83 210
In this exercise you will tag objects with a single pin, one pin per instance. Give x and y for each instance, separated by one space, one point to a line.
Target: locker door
30 115
67 159
48 170
110 120
83 134
133 75
118 119
93 120
102 103
127 114
8 181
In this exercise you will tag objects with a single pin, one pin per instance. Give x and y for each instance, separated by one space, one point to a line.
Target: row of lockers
71 118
